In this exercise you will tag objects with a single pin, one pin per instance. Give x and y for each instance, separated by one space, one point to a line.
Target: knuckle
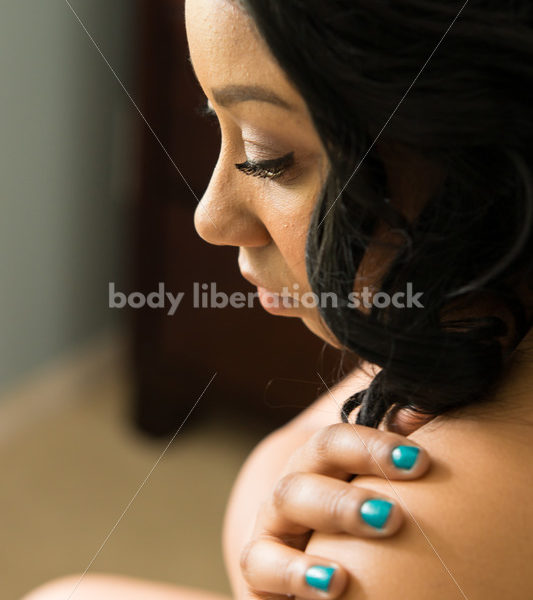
282 490
245 559
324 440
340 504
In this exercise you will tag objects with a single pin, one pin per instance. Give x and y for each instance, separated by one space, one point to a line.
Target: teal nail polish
376 512
319 577
404 457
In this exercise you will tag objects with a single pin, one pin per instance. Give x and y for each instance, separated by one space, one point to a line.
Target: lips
273 302
255 281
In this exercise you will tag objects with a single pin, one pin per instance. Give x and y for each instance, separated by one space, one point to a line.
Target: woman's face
263 209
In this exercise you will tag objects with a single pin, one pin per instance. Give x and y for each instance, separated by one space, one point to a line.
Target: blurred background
99 106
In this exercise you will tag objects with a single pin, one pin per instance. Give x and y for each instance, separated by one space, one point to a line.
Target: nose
225 215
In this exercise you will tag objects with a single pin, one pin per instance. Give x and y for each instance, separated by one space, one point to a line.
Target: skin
470 506
268 221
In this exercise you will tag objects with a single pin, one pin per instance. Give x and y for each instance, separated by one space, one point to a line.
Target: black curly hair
470 112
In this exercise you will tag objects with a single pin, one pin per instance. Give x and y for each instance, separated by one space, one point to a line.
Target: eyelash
267 169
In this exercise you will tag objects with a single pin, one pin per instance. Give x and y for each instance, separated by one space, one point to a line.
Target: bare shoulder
268 459
469 522
326 409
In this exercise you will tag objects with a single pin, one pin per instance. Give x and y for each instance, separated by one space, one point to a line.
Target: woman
375 146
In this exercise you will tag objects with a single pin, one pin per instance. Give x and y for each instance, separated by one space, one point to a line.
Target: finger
269 566
251 595
344 449
304 501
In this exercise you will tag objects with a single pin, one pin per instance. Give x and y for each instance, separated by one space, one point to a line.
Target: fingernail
404 457
376 512
319 577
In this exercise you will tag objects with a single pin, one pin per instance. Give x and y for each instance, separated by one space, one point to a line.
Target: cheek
292 236
289 233
288 216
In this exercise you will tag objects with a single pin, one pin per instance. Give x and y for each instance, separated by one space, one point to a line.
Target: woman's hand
313 494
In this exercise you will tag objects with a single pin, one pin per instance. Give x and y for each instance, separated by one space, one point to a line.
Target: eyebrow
234 94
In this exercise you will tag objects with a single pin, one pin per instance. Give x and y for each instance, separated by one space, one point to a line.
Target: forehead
226 49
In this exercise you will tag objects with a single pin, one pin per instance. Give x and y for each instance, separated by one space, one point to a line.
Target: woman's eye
268 169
